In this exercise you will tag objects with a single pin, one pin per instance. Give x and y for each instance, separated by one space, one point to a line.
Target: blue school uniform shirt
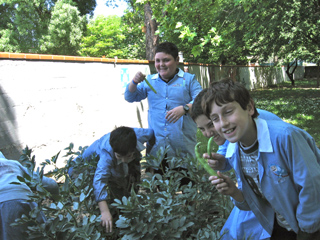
108 171
9 171
179 91
240 221
289 174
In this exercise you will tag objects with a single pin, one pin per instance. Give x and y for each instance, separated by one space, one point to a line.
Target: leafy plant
162 209
74 213
165 209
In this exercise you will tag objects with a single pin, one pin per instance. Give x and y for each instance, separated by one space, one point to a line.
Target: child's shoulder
282 128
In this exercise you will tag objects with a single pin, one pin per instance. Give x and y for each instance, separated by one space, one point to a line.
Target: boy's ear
251 107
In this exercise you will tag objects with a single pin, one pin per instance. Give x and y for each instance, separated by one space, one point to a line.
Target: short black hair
168 48
123 140
224 91
196 109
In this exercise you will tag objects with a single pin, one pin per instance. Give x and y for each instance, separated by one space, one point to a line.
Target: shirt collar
263 138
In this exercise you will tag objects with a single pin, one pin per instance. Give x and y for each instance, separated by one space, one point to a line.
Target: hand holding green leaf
202 161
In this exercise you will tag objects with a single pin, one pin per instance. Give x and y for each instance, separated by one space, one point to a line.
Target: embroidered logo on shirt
278 171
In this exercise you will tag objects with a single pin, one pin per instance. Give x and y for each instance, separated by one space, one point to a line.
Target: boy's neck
251 137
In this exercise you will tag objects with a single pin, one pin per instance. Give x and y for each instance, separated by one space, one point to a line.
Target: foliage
134 41
113 36
103 37
74 213
42 26
195 211
65 30
22 24
230 31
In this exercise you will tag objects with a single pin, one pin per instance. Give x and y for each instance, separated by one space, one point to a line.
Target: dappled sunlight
297 106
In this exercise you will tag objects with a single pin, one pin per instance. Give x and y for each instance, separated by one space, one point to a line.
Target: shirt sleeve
304 157
195 88
136 96
101 176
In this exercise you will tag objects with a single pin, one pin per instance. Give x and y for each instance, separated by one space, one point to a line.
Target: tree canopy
206 31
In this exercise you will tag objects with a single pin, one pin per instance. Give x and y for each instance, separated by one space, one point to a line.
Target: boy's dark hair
226 91
196 109
168 48
123 140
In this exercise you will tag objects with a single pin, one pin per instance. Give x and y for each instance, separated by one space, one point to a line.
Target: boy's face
166 65
206 127
127 158
234 123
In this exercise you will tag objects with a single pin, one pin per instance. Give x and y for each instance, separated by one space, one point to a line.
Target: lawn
297 105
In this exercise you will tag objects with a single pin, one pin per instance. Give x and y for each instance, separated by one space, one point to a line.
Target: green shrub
162 209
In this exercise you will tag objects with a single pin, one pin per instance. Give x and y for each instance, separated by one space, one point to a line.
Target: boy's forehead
202 120
163 55
216 108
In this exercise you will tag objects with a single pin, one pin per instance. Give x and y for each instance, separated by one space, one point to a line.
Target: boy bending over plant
118 169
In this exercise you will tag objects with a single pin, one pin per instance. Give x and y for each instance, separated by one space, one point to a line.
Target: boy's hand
216 161
174 114
226 186
106 220
139 77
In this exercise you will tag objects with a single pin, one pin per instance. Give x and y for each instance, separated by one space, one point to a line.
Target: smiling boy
169 108
276 163
239 221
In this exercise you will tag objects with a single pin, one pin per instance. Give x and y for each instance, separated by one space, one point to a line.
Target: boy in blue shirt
236 226
15 198
277 164
118 168
168 113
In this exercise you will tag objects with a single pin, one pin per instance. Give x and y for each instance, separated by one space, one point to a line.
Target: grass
297 105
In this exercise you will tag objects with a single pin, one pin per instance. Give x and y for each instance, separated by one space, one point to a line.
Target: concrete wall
47 103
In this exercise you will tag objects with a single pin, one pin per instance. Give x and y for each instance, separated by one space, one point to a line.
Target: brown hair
226 91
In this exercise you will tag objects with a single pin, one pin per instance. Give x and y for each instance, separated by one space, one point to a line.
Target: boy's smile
234 123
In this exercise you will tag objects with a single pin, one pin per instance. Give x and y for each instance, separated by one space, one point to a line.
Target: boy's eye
214 119
229 111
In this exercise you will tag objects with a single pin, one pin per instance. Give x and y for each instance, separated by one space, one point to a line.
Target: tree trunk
152 40
318 75
290 74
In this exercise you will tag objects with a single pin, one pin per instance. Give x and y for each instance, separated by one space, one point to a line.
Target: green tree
65 30
104 37
22 24
285 29
133 30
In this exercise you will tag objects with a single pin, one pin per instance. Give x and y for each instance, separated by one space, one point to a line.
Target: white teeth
229 131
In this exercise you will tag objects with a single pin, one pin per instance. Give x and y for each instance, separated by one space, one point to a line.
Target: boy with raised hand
240 223
118 168
277 164
168 113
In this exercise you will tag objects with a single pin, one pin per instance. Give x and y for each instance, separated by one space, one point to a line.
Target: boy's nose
224 122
